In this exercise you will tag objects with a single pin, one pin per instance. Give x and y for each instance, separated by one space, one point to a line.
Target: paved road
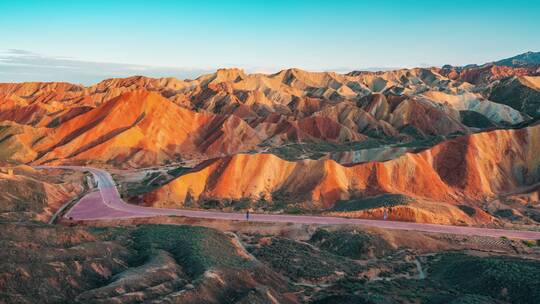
105 204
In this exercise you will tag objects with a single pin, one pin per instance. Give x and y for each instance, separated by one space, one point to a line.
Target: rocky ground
181 260
27 194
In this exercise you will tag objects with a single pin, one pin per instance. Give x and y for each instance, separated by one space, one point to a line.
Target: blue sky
183 38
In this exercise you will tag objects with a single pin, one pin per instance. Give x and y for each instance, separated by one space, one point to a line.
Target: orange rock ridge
470 168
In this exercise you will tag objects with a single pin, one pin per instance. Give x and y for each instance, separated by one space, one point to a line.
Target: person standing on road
247 215
385 214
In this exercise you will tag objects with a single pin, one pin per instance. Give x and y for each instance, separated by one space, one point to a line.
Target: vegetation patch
150 181
509 279
351 244
475 120
317 149
383 200
196 249
290 203
177 171
299 260
353 290
422 143
470 211
508 214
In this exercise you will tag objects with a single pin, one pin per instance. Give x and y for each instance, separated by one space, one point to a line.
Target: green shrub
470 211
383 200
196 249
509 279
350 244
300 260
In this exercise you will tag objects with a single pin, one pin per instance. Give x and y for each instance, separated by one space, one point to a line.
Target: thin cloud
22 65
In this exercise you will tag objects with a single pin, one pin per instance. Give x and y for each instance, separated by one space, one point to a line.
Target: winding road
105 203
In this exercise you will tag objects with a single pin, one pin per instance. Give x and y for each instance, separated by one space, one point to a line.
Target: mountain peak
230 73
525 59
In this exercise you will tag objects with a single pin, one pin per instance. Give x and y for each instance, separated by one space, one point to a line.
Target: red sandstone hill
465 170
230 111
141 128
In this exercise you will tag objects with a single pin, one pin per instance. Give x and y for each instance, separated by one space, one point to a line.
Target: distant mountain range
525 59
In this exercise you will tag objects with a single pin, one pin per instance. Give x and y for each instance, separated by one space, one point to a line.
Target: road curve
105 203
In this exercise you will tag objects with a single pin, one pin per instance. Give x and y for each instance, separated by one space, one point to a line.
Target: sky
86 41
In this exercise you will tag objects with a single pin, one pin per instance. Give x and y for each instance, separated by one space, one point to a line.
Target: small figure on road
247 215
385 214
